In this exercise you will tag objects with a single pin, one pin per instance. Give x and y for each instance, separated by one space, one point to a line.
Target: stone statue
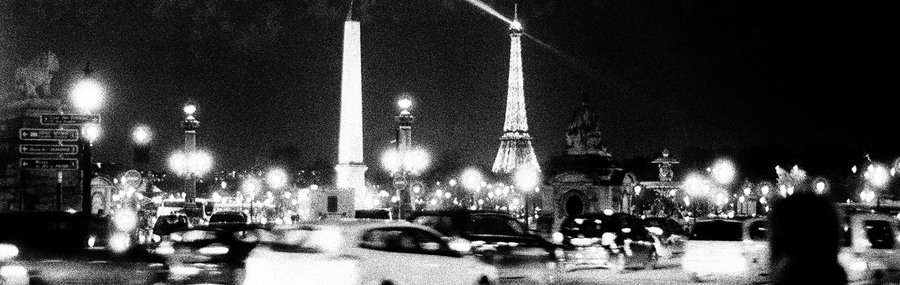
33 80
583 135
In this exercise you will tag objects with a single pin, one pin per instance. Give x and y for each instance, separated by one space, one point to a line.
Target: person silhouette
804 240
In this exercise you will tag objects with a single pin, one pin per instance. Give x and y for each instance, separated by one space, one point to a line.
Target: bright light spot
687 201
87 95
223 184
439 193
790 190
527 178
190 109
250 186
783 190
515 201
141 134
13 271
820 187
747 191
741 199
197 163
480 201
637 190
404 103
608 212
723 171
516 25
764 190
694 184
91 132
276 178
8 251
762 200
447 195
877 175
119 242
720 199
213 249
125 220
433 201
853 169
452 182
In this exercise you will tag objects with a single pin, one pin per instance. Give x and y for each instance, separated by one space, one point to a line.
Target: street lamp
527 179
472 180
87 96
723 171
249 187
276 178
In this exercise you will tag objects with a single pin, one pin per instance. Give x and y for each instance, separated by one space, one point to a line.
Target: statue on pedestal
33 81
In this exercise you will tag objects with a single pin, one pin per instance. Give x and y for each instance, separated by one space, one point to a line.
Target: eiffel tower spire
515 145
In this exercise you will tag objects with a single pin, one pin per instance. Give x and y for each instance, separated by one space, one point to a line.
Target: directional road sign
49 163
69 119
47 149
27 134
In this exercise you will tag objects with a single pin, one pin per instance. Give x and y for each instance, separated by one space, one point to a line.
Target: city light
723 171
694 183
91 132
877 175
87 95
141 135
472 179
190 109
404 103
276 178
196 163
527 178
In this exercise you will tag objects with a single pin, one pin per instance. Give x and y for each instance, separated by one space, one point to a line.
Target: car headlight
214 249
858 265
11 271
582 241
8 251
558 238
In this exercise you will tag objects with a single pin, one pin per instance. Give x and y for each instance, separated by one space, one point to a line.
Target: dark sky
662 74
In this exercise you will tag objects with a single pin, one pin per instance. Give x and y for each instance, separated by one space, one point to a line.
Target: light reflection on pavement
667 272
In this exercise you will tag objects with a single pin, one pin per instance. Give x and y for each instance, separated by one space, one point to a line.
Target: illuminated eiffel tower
515 145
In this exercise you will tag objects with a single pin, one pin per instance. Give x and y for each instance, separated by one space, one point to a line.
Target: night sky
661 74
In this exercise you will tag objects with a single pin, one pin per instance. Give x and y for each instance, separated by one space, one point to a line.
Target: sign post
49 163
69 119
29 134
47 149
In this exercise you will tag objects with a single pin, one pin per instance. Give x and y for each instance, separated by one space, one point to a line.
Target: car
672 236
353 251
66 248
207 254
382 214
228 217
614 240
166 224
498 239
715 248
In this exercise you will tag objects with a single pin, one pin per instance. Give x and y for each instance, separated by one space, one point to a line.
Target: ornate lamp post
190 125
87 96
472 179
404 162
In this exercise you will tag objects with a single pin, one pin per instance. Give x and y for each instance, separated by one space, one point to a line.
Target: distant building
586 178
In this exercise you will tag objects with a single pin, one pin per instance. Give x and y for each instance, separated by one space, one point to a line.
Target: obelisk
351 170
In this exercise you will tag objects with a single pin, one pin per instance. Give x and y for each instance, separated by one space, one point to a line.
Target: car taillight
214 249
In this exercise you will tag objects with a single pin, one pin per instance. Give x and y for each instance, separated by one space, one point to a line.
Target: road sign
47 149
50 164
69 119
27 134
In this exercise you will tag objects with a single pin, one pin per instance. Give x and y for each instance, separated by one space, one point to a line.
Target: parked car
672 236
361 252
62 248
617 241
207 254
498 239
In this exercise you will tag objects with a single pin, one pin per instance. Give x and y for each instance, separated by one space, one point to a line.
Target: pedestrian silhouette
804 240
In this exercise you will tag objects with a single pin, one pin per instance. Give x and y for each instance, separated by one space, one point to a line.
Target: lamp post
527 179
404 162
250 186
190 125
87 96
471 179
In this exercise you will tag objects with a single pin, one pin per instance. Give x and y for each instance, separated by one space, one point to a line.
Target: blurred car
617 241
207 254
379 214
672 236
361 252
228 217
871 243
715 248
498 239
166 224
61 248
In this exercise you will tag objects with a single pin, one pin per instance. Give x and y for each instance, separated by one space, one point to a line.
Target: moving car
498 239
207 255
361 252
716 248
228 217
617 241
61 248
672 236
166 224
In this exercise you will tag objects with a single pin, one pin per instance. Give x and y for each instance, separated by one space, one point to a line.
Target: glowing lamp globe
141 135
91 132
190 109
87 95
471 179
404 103
276 178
